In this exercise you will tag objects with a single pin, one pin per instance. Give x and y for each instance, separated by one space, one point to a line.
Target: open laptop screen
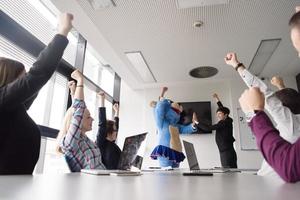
129 156
191 155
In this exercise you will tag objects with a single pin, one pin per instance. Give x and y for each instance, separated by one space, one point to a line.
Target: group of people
280 146
167 116
20 136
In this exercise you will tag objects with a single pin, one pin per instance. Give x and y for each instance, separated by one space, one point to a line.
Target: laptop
129 154
193 162
129 157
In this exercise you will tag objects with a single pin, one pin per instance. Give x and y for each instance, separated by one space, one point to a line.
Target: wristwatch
238 66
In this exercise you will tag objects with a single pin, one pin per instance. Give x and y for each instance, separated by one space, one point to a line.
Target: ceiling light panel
139 63
102 4
199 3
263 54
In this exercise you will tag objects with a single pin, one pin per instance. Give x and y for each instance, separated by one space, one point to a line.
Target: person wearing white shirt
283 106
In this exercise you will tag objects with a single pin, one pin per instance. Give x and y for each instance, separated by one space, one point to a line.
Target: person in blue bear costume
169 149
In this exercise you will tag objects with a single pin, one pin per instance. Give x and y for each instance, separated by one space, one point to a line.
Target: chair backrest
72 165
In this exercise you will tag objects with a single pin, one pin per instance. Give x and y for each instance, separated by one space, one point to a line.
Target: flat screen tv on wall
202 109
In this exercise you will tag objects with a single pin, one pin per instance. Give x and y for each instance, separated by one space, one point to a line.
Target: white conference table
149 186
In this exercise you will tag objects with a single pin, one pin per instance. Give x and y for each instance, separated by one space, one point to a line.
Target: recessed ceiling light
203 72
198 24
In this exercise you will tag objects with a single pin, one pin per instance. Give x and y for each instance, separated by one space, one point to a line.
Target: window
92 67
49 107
107 80
108 106
59 101
40 21
37 111
97 70
9 50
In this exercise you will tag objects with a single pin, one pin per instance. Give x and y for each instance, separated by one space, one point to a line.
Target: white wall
136 116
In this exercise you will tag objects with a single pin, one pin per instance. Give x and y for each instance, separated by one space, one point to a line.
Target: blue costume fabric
166 121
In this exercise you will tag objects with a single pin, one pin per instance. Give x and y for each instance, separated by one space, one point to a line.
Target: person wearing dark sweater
224 136
20 136
107 135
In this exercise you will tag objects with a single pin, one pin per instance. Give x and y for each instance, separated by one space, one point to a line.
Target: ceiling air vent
203 72
198 3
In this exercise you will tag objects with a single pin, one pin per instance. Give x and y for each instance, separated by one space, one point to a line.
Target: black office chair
72 167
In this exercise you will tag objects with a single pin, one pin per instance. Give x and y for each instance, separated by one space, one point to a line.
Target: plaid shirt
82 153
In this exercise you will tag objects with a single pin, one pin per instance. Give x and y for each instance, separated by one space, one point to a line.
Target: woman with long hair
20 137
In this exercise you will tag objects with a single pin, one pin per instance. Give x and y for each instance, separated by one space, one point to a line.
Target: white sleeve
253 81
281 115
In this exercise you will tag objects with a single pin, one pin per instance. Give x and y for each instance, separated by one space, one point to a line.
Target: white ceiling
172 46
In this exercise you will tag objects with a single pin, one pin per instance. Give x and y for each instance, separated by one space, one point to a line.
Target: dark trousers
228 158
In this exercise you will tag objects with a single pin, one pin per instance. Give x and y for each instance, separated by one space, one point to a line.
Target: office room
144 99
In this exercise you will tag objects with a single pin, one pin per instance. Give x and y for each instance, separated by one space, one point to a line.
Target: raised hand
195 118
215 95
65 23
116 107
101 96
77 75
163 91
252 99
79 93
72 87
231 59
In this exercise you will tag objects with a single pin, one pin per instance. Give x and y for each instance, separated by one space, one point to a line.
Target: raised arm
101 135
186 129
217 100
250 79
280 154
72 88
73 134
201 125
281 114
25 87
116 117
162 94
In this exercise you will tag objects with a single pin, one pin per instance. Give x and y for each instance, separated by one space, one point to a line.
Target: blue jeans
164 162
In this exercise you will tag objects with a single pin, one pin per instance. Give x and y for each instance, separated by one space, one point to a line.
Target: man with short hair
224 136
